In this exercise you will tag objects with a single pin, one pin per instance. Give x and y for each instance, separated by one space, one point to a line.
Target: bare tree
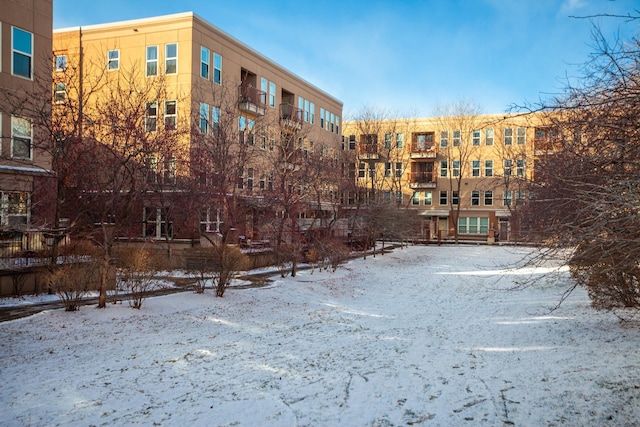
461 120
585 194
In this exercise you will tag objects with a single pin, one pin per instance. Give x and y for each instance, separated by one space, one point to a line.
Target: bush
71 282
218 263
137 269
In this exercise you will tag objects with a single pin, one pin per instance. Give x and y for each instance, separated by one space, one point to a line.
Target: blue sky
406 57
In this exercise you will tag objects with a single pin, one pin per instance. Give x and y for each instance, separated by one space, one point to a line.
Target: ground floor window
14 209
157 224
210 221
473 225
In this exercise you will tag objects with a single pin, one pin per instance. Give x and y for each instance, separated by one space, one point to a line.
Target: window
170 115
250 175
59 92
322 119
506 166
352 142
210 221
488 136
151 117
520 196
508 136
475 168
507 197
387 169
428 198
399 169
152 61
444 168
455 168
473 225
272 94
444 138
113 60
156 223
171 58
152 169
488 168
456 138
475 138
361 170
61 62
455 197
488 198
521 136
204 117
309 109
14 209
169 171
399 140
215 118
399 197
22 53
444 198
520 167
475 198
205 61
415 199
21 138
387 141
217 68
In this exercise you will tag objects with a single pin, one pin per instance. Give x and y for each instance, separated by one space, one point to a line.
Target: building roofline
194 16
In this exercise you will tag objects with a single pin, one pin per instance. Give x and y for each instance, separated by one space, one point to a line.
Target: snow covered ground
421 336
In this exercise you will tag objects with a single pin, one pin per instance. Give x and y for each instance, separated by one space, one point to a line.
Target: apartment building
473 169
201 77
25 165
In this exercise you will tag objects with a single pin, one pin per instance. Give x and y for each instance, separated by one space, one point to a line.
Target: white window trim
207 63
167 58
147 60
30 139
109 60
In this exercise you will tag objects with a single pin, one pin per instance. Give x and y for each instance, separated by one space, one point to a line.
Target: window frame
427 200
151 118
444 138
170 60
60 62
21 53
113 60
489 136
488 168
508 136
443 198
217 68
26 139
171 117
476 137
205 63
149 62
476 170
488 198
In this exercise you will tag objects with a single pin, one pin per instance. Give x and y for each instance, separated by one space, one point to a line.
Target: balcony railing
291 116
252 100
422 179
423 150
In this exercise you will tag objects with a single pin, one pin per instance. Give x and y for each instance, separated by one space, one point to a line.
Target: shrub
71 282
137 269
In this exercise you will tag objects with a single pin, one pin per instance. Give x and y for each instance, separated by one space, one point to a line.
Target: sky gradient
404 57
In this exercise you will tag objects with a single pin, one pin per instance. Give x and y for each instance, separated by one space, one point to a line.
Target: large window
473 225
210 221
22 53
521 136
157 224
151 117
170 115
21 138
113 60
171 58
205 61
217 68
152 61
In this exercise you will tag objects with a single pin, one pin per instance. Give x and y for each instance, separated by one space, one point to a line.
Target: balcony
252 100
423 150
368 150
422 180
291 117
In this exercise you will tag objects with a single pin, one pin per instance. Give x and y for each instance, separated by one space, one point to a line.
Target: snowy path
421 336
